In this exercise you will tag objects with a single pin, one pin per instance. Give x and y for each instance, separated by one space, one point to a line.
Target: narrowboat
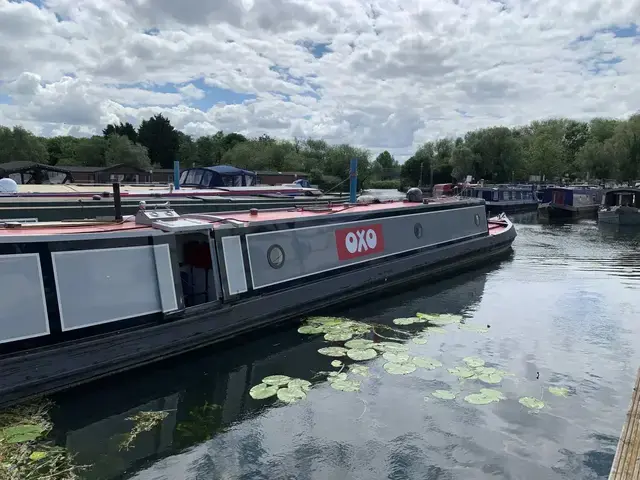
570 202
503 198
620 206
444 190
82 300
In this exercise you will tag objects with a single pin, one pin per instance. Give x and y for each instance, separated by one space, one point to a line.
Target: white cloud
394 73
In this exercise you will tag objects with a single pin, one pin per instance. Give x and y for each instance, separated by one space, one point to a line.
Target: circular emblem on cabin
275 256
417 230
476 219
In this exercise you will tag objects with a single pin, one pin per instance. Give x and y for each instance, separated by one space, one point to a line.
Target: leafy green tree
161 139
125 129
62 150
20 145
91 151
121 150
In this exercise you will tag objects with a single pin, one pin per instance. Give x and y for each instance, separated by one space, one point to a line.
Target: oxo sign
359 241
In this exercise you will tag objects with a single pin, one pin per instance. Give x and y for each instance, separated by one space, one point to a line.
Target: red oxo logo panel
359 241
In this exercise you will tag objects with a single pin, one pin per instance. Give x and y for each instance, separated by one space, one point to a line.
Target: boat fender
414 195
96 197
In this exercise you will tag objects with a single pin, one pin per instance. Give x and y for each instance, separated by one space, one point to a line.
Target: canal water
563 311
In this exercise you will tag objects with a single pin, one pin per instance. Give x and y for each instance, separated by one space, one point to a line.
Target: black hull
558 212
55 368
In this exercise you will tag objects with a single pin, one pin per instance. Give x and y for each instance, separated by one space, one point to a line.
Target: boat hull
619 216
511 207
551 211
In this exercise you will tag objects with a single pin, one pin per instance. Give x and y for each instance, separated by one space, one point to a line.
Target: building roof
18 167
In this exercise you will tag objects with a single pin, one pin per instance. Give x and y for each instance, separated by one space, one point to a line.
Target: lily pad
336 363
362 370
35 456
359 343
444 394
399 368
326 320
473 362
426 362
473 328
333 351
399 357
262 391
392 347
532 403
21 433
486 396
426 316
291 395
419 340
310 330
276 380
559 391
304 385
486 370
434 330
461 372
338 336
359 354
403 321
333 376
346 385
494 377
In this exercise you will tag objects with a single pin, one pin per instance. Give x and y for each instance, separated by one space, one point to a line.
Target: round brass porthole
417 230
477 219
275 256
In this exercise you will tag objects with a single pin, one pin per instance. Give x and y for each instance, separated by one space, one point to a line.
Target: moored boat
82 300
503 198
570 202
620 206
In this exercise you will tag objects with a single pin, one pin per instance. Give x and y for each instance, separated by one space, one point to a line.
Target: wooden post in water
626 463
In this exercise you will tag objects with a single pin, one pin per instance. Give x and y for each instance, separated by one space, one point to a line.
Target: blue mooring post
176 175
353 180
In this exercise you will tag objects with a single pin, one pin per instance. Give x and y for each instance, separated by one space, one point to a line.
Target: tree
62 150
125 129
187 150
161 139
121 150
386 160
91 151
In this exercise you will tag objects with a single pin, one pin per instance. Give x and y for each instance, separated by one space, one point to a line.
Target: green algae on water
444 394
559 391
532 403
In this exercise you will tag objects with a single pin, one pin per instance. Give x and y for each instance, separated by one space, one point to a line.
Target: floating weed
473 328
399 368
361 370
532 403
391 347
473 362
346 385
25 454
430 330
462 372
304 385
485 396
262 391
419 340
338 336
426 362
143 422
336 363
399 357
276 380
559 391
359 343
333 351
358 354
444 394
291 394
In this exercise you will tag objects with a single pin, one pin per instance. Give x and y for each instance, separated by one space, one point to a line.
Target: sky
381 74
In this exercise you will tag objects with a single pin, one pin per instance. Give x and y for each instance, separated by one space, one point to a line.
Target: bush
384 184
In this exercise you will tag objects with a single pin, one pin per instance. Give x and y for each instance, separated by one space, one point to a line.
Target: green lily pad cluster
433 319
485 396
287 389
474 369
335 329
341 381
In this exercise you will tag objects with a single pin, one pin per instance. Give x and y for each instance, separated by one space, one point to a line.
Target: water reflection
561 312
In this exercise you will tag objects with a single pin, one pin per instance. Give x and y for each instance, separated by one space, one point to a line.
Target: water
564 306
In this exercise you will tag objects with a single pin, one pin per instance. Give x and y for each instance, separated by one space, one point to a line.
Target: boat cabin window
196 268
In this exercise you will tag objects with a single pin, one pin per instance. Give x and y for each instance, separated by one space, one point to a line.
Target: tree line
549 150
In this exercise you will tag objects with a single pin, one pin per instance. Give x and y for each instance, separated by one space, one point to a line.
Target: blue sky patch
318 50
5 99
619 31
